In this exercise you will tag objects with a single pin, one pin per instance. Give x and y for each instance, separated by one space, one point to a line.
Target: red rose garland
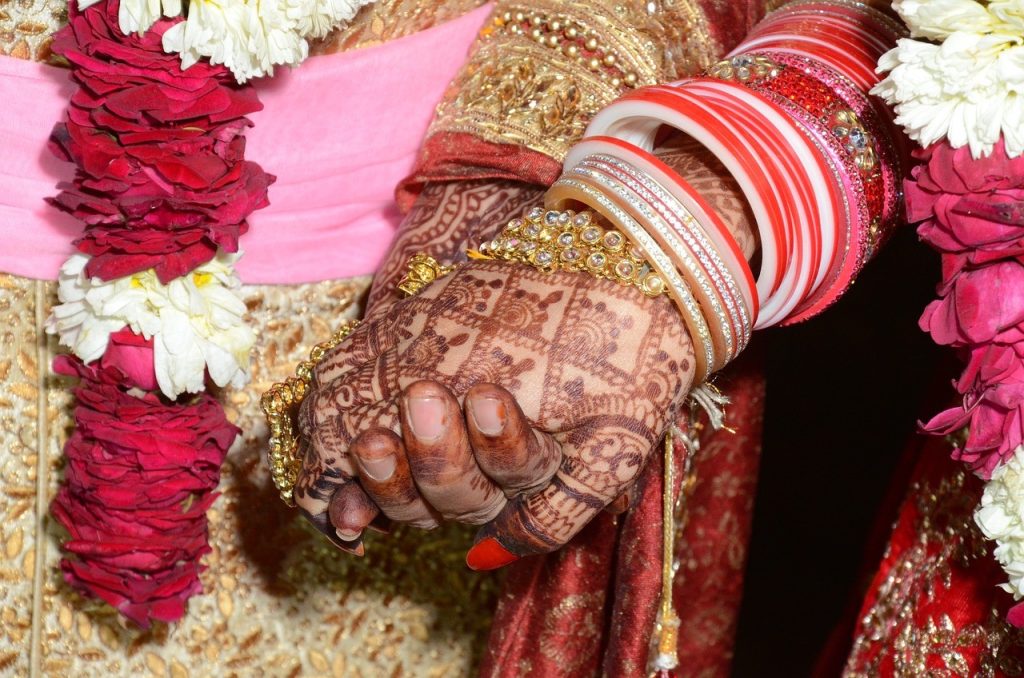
161 184
140 475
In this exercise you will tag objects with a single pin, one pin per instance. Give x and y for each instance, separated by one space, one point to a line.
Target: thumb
599 464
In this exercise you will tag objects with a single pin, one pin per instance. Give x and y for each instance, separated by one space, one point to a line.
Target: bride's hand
597 370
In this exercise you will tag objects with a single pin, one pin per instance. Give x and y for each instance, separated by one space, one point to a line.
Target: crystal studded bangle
565 240
280 404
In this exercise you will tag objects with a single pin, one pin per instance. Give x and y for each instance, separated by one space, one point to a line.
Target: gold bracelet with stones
572 241
281 406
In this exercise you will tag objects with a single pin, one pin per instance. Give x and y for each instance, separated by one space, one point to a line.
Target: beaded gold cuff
281 403
570 241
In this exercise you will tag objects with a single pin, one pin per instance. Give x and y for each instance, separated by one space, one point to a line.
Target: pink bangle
878 16
705 216
812 82
848 37
798 181
825 204
863 160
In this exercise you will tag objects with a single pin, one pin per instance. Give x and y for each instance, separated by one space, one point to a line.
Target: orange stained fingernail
489 555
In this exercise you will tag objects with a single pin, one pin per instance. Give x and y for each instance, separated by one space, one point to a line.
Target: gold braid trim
540 71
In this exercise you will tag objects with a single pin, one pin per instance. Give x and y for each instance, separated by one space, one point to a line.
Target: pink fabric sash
339 132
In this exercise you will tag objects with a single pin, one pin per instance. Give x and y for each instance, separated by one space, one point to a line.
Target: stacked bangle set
817 159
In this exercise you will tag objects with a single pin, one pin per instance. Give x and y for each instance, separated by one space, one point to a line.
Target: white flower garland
249 37
1001 518
196 321
969 87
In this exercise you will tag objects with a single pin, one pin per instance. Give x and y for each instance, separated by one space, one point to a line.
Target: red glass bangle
636 118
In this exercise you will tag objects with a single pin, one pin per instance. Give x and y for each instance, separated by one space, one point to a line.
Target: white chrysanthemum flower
316 18
938 19
970 89
249 37
1001 518
138 16
1010 12
196 321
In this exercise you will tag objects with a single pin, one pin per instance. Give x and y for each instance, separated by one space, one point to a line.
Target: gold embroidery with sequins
946 538
384 20
540 71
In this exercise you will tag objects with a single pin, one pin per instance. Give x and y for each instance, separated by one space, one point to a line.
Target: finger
599 464
335 414
319 478
351 511
385 475
517 457
328 421
441 458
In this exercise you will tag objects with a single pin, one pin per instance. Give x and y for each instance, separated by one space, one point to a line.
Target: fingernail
489 555
489 414
379 469
348 535
426 416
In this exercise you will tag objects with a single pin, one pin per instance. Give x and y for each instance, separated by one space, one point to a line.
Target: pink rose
133 355
980 305
966 204
992 410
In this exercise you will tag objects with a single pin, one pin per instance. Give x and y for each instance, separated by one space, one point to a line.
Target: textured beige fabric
279 599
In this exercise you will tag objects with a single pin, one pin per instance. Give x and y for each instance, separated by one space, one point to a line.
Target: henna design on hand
591 363
446 220
596 365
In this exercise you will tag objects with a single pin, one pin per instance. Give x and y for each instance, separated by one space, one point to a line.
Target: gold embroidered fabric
27 27
541 70
279 599
894 638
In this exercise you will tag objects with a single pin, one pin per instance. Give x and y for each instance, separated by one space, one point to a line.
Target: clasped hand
499 396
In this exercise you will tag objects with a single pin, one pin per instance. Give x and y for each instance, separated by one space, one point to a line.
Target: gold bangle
281 406
552 240
582 190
